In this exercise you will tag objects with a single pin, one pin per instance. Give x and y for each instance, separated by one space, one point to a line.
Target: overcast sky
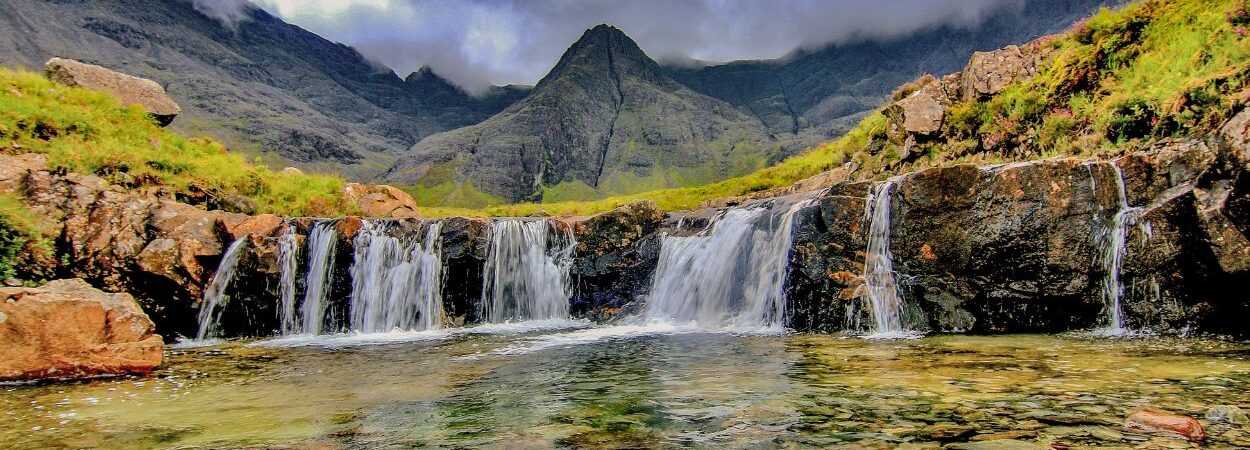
477 43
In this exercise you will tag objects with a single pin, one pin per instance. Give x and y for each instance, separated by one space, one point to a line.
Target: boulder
261 225
1161 422
616 253
291 171
380 200
1235 137
128 89
67 329
920 113
988 73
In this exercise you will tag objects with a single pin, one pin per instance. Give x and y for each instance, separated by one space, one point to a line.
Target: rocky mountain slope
261 84
818 95
606 119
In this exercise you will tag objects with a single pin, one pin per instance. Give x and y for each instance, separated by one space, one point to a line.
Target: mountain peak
602 51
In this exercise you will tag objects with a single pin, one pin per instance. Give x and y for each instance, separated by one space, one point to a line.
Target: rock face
616 254
605 117
988 73
380 200
128 89
67 329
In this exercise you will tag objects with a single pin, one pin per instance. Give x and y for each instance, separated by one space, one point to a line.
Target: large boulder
380 200
920 113
67 329
988 73
617 251
128 89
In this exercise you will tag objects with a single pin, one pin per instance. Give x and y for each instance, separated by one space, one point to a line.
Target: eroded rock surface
68 329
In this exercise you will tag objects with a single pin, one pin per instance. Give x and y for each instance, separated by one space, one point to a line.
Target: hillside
814 96
605 120
1113 83
261 85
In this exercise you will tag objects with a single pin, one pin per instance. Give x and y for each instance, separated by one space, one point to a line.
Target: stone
380 200
945 432
261 225
1227 414
920 113
291 171
1235 137
128 89
988 73
15 168
1156 421
68 329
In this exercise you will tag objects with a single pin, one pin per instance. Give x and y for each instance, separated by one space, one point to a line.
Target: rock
67 329
1003 444
945 432
291 171
920 113
380 200
988 73
1155 421
262 225
13 282
1235 137
615 256
1227 414
128 89
234 203
15 168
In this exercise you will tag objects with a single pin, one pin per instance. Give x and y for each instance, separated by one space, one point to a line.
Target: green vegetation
19 232
89 132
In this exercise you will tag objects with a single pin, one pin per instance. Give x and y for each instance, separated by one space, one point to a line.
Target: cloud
477 43
228 12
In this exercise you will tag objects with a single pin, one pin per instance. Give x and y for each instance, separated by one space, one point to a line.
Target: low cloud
228 12
478 43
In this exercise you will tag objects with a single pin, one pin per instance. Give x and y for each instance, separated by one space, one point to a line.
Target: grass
19 232
89 132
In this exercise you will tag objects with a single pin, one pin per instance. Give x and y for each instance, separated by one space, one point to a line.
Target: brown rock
1236 137
1155 421
15 168
988 73
920 113
128 89
380 200
291 171
348 226
68 329
261 225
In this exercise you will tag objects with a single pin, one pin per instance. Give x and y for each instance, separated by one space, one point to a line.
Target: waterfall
1113 252
527 271
288 264
731 275
321 248
396 281
880 293
215 294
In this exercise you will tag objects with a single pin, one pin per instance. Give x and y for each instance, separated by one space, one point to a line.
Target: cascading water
322 240
729 276
215 294
527 271
880 293
288 264
1113 252
396 281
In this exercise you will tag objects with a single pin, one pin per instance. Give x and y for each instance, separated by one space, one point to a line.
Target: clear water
396 281
616 387
322 240
288 264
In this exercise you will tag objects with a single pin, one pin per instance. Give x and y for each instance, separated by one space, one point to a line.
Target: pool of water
640 387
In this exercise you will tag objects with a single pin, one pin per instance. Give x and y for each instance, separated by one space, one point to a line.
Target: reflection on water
613 388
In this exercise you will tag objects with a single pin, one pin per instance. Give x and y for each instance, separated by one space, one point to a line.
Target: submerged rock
128 89
1228 414
67 329
1155 421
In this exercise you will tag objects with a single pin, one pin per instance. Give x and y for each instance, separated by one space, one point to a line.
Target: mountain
818 95
605 120
259 84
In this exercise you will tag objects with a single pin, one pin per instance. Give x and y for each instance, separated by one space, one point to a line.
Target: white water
288 264
527 271
1113 252
215 294
321 248
730 276
396 281
880 291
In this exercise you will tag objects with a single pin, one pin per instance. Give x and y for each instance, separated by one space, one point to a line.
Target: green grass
19 232
89 132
